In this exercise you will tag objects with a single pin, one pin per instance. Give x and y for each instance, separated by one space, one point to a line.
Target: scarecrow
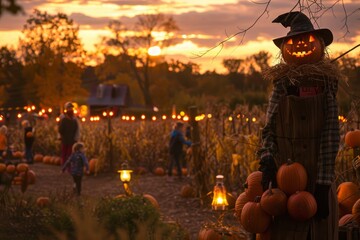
302 124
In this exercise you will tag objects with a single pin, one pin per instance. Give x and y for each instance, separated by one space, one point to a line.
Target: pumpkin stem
257 199
289 161
246 185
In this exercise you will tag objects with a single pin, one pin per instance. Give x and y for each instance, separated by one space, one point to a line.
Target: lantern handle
341 55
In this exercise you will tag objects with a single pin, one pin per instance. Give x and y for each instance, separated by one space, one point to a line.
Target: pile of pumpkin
255 208
56 160
17 174
348 194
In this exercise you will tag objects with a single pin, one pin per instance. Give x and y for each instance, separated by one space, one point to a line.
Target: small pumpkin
301 206
92 165
274 201
347 194
303 49
10 168
47 159
38 157
352 138
347 218
240 203
356 211
2 167
253 218
22 167
253 186
187 191
29 177
159 171
152 200
18 154
29 134
42 202
291 177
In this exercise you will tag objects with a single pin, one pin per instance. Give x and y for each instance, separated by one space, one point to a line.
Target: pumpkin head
302 49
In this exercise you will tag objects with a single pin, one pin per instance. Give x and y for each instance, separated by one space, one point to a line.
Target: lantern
219 199
125 177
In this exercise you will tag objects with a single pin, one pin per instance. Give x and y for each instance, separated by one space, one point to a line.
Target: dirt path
186 211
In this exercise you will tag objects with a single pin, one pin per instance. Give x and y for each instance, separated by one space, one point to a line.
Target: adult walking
69 130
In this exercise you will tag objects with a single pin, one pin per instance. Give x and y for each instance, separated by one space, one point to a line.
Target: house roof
110 95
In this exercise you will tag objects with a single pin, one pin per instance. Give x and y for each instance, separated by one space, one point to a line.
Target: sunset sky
202 24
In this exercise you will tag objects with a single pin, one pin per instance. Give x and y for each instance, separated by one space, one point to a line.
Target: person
28 140
302 124
3 141
176 143
69 131
76 162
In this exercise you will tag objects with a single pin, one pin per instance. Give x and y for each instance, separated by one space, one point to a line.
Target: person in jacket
176 143
69 131
28 140
76 163
302 124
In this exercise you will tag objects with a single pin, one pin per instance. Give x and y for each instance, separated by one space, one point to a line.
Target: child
3 140
76 162
29 140
176 148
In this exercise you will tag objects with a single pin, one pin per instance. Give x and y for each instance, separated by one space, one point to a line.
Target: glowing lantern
125 177
219 199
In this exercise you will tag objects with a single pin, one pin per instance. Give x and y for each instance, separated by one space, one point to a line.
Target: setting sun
154 51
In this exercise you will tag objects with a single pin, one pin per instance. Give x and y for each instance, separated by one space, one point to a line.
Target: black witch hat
299 23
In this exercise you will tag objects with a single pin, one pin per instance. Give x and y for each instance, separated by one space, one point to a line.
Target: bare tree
315 9
133 45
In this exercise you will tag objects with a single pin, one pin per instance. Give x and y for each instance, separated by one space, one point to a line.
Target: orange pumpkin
291 177
159 171
47 159
347 218
18 154
29 134
347 193
43 201
301 206
253 218
253 186
152 200
211 234
38 157
187 191
274 201
92 165
29 177
302 49
240 203
10 168
352 138
22 167
2 167
356 211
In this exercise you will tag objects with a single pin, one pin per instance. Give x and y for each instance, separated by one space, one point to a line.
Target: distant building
106 97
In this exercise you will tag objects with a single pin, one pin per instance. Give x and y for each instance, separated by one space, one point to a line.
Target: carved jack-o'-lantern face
301 49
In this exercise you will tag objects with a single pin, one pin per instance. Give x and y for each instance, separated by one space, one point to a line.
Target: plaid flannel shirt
329 143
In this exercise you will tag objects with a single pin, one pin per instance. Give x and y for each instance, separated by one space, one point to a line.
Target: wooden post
110 142
199 175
